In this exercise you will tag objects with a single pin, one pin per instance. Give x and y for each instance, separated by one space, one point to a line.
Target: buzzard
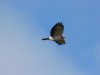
56 34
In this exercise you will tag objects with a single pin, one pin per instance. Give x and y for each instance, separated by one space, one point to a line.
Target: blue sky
24 22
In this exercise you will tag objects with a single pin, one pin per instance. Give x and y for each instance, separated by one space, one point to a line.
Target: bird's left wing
60 42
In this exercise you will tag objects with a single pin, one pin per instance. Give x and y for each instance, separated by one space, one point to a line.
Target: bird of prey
56 34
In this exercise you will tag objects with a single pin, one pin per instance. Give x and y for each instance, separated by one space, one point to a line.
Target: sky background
23 23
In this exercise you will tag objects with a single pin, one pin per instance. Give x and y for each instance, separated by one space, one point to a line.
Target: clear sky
24 22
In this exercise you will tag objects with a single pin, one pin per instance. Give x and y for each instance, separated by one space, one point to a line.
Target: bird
56 34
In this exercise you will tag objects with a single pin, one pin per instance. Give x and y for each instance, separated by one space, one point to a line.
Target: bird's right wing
57 30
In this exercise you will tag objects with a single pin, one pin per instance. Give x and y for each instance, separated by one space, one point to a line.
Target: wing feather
57 30
60 42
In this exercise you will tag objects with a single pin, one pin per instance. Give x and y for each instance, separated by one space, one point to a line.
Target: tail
45 38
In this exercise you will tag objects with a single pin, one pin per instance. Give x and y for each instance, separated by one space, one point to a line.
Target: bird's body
56 34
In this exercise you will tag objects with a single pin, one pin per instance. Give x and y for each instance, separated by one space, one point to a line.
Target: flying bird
56 34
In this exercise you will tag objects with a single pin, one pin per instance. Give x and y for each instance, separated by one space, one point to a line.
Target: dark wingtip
61 44
60 24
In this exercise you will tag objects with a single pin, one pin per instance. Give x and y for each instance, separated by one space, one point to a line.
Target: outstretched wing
60 42
57 30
